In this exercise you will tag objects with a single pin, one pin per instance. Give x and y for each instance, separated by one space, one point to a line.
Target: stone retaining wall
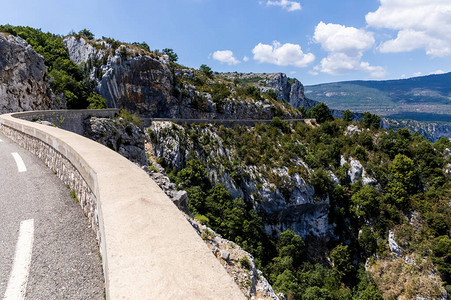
71 120
149 250
63 168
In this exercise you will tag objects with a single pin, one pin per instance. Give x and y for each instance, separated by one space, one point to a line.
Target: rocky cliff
433 131
285 200
118 135
24 82
149 85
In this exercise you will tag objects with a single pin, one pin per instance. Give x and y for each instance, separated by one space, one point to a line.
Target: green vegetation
411 181
96 101
321 113
142 45
173 57
130 118
371 121
428 94
206 70
69 80
347 115
73 195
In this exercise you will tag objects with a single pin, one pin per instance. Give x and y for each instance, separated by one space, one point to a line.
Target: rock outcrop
357 172
291 204
145 83
238 263
118 135
24 82
433 131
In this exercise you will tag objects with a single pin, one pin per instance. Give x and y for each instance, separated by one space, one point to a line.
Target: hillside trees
409 178
321 113
69 79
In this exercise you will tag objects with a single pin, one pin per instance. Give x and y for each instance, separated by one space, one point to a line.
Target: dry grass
398 279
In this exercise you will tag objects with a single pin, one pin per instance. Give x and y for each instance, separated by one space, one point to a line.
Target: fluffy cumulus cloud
286 4
225 56
419 24
282 55
345 47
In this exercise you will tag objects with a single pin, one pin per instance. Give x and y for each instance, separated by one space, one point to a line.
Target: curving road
47 248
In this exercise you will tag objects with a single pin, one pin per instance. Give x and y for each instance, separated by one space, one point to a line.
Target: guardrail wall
149 250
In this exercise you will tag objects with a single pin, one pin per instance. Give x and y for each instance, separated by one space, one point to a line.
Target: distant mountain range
425 98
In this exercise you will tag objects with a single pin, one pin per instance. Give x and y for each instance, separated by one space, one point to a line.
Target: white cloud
282 55
437 72
345 47
339 38
225 56
286 4
245 58
420 24
416 74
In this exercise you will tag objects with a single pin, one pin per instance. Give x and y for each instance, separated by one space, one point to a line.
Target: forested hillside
385 197
425 98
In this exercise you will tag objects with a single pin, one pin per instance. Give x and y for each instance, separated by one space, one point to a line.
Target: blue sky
315 41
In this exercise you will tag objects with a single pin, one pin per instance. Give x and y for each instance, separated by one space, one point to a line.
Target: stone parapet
149 250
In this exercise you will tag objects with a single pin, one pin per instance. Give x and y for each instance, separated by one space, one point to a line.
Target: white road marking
17 284
20 164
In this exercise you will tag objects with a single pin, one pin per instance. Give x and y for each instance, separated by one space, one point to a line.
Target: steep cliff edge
148 84
24 82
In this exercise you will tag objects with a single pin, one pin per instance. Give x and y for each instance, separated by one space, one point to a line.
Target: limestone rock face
122 137
291 205
80 50
142 82
24 82
357 171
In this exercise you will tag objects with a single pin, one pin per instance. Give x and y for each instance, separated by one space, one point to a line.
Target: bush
347 115
245 263
85 32
173 57
96 101
206 70
371 121
130 118
321 113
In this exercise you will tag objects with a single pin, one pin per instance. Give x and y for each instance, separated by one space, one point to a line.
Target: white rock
225 255
394 247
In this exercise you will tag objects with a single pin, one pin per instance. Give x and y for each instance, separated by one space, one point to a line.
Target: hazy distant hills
425 98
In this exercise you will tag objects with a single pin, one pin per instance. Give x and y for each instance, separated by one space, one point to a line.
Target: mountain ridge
420 98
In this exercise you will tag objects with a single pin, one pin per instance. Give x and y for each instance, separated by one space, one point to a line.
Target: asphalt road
65 261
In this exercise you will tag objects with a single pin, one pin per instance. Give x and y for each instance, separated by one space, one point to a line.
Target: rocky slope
129 141
118 135
149 85
433 131
283 195
24 83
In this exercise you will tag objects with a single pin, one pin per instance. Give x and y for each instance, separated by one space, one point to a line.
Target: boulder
24 81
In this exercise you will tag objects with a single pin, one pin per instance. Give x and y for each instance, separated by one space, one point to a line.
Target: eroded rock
24 81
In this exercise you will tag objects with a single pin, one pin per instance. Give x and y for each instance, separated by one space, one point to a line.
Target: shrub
96 101
206 70
347 115
371 121
85 32
321 113
173 57
130 118
245 263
